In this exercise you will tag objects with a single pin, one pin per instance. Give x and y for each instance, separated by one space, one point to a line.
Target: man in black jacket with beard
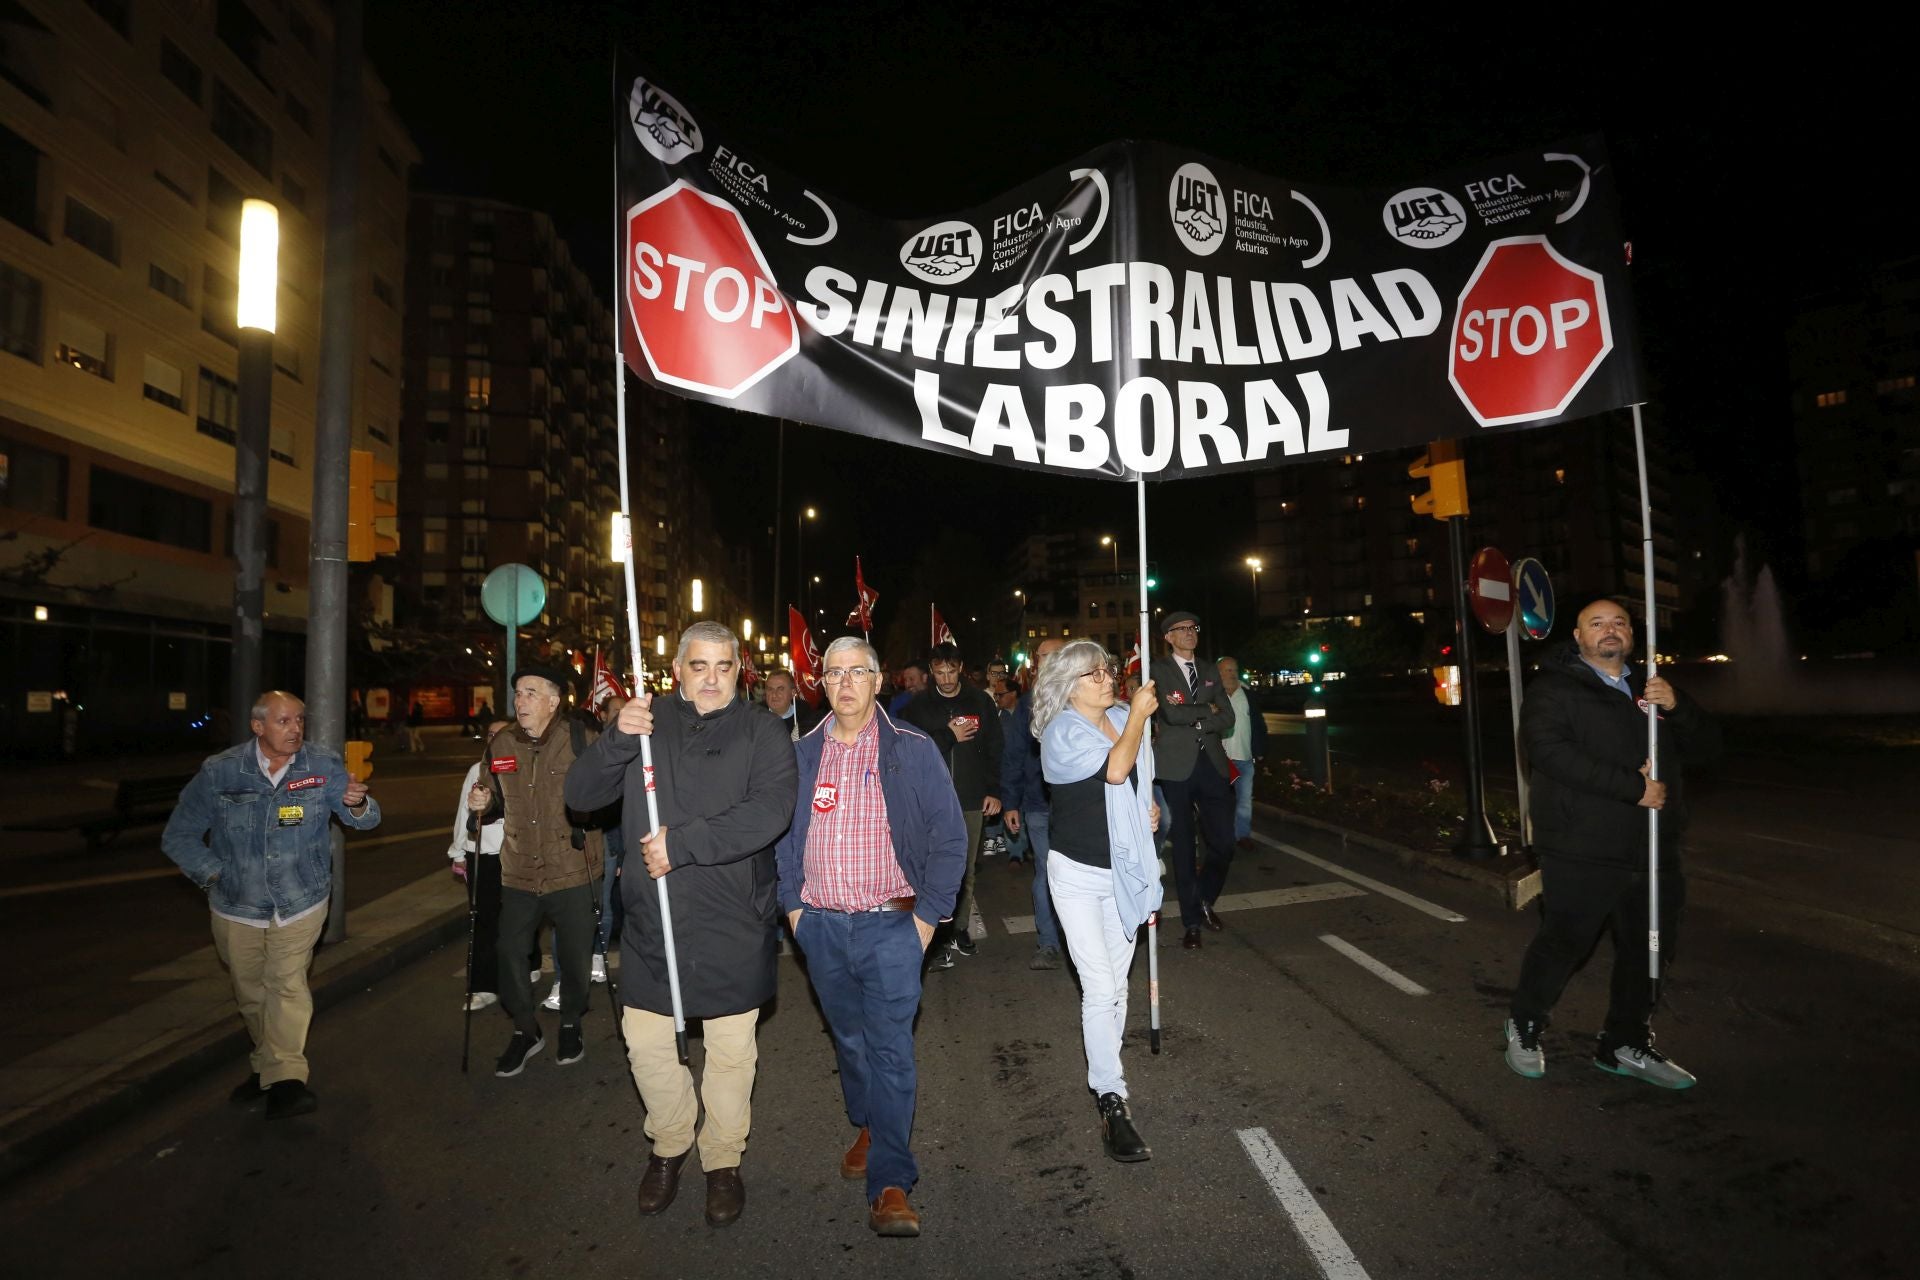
964 724
725 781
1584 730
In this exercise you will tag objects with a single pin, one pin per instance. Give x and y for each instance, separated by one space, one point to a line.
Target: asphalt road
1416 1152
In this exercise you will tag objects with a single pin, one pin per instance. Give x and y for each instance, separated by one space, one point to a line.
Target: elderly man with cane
723 780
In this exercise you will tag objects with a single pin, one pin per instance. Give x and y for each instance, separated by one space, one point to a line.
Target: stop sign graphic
704 302
1529 331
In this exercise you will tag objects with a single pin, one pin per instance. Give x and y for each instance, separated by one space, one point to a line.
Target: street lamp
254 311
699 596
746 629
1108 540
1253 563
800 519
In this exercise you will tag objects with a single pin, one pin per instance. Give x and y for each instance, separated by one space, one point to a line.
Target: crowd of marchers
689 827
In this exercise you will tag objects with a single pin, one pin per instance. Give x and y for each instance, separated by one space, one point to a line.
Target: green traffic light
1152 583
1314 657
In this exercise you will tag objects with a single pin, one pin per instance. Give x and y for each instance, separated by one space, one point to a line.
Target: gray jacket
1188 724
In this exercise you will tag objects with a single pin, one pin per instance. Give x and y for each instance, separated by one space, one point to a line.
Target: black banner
1144 310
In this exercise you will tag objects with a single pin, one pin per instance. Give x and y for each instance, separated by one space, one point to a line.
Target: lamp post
254 310
800 519
1108 540
1020 621
1253 563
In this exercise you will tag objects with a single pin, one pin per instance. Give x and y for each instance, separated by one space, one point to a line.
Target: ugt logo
1424 217
944 253
1194 203
665 128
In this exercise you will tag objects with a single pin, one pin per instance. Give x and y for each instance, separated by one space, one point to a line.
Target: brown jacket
529 777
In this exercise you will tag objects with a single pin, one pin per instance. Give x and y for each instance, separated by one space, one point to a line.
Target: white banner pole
1653 713
1515 693
1146 769
639 650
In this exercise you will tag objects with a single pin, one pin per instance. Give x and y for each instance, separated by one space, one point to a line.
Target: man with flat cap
1190 764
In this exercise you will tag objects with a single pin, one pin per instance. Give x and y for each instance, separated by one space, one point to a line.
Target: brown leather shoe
854 1163
1211 918
891 1215
726 1196
660 1182
1191 940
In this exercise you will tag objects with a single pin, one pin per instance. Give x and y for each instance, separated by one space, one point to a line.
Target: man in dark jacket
1190 764
723 777
869 868
1584 731
784 700
964 725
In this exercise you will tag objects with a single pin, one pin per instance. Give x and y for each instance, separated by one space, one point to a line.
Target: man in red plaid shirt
869 868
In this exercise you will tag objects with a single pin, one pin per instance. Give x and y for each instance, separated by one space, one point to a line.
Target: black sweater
975 763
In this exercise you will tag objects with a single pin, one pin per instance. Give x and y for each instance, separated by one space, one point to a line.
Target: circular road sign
1490 589
1533 597
513 595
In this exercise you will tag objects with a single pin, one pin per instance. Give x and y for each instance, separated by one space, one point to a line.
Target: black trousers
483 886
1578 900
521 915
1207 793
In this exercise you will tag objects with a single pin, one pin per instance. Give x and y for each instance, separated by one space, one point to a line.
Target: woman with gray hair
1103 868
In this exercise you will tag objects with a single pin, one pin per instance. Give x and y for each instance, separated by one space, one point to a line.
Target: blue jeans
865 967
1044 922
1243 800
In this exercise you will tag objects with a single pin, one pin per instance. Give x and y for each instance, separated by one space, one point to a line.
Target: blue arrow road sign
1533 595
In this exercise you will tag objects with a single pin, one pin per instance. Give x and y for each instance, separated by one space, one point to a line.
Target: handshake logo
1199 213
664 127
945 253
1424 217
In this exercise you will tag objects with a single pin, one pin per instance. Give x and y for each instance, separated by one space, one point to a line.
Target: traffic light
1446 476
363 472
1318 655
360 760
1152 583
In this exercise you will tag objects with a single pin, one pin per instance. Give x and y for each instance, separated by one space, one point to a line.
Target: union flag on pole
749 674
862 615
605 683
942 633
806 658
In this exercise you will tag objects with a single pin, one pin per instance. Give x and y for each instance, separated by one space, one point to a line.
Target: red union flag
1530 329
862 615
806 658
605 683
706 308
942 633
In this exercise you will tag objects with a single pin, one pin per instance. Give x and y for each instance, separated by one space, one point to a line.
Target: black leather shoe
726 1197
1211 918
287 1098
1191 941
1117 1134
660 1182
248 1092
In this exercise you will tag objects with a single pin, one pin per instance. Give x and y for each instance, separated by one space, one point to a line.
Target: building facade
129 135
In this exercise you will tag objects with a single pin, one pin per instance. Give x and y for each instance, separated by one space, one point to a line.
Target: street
1307 1116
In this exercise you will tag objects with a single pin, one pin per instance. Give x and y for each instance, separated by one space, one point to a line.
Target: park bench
137 802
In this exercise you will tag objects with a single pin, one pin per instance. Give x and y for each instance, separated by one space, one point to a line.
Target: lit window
1559 475
1828 399
83 345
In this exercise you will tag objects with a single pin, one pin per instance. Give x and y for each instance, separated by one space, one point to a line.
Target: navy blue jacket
929 831
1021 786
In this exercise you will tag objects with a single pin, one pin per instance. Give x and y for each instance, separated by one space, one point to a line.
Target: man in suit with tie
1191 767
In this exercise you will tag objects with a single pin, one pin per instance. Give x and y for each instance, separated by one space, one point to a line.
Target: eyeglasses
1097 674
1186 626
859 675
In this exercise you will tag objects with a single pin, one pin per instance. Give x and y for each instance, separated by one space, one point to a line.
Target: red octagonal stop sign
1530 330
709 315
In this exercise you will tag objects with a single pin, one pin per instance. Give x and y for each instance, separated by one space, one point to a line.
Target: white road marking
161 873
1316 1230
1798 844
1378 970
1433 909
1239 901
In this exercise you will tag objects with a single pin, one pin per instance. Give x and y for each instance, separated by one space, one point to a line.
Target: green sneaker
1525 1057
1643 1062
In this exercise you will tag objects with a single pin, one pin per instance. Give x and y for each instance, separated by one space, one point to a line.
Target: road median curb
1513 880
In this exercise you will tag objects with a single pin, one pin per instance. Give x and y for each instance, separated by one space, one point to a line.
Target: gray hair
263 703
707 633
846 643
1055 685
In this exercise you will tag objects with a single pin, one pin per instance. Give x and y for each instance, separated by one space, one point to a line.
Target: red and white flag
749 674
862 615
605 683
806 658
942 633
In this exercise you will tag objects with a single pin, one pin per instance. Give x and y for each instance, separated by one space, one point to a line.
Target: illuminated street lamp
699 596
746 629
800 519
254 308
1253 563
1108 540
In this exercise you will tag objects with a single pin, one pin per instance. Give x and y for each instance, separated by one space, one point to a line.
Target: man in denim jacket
251 829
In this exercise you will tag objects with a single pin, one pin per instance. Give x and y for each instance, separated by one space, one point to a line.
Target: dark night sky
1752 166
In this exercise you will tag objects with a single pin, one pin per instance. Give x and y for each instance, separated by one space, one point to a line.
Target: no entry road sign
1490 589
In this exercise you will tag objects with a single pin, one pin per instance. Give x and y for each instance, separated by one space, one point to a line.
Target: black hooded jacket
1584 743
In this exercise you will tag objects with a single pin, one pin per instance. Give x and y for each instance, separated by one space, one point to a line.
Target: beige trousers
269 968
666 1087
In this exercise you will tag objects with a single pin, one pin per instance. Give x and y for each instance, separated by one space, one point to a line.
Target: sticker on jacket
315 781
504 764
291 815
1176 697
826 797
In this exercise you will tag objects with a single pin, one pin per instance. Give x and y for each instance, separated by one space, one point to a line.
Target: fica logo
944 253
665 128
1199 213
1424 217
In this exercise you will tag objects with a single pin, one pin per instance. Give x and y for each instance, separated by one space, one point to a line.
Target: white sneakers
481 1000
553 997
599 967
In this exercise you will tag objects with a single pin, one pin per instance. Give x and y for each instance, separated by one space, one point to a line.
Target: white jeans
1090 922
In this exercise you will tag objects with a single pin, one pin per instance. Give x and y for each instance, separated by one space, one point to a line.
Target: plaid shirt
850 864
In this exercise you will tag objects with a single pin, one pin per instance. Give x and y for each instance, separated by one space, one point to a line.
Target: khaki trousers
269 968
666 1087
